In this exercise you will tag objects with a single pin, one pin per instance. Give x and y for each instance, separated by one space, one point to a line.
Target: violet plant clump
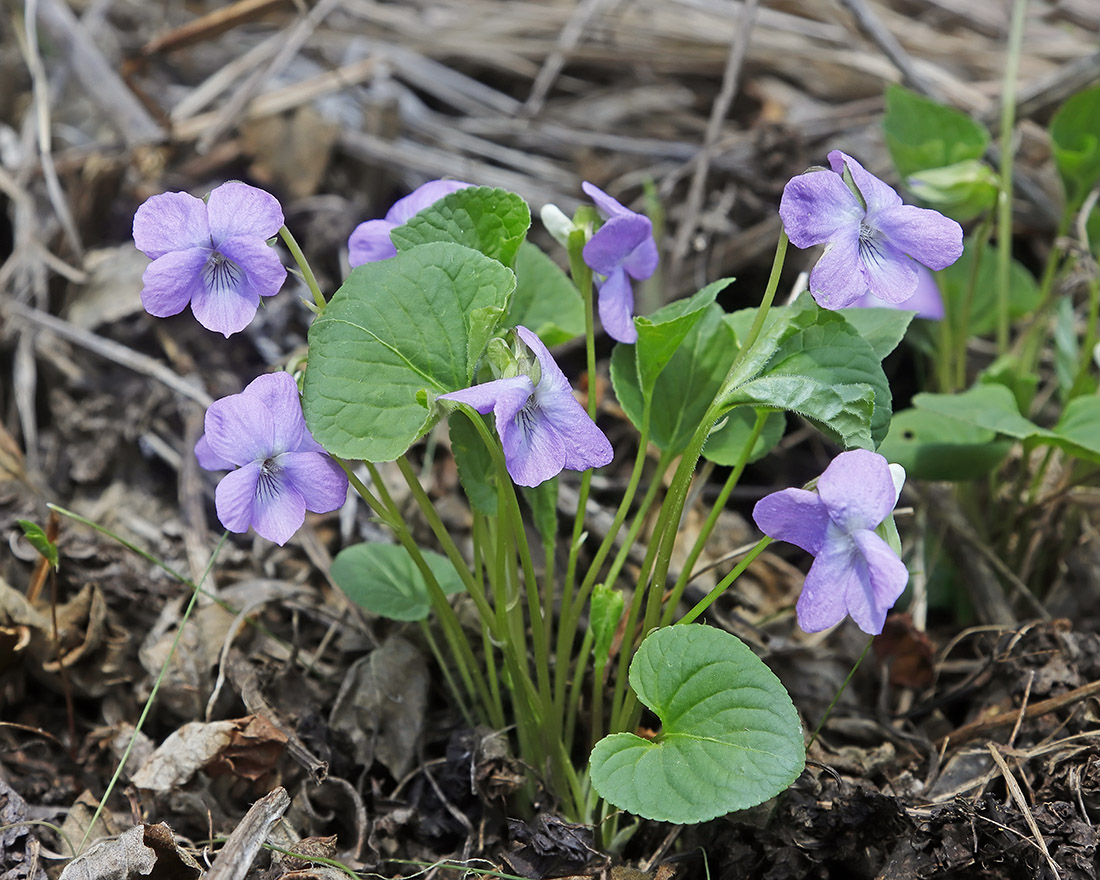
214 254
542 427
446 289
277 470
873 242
855 572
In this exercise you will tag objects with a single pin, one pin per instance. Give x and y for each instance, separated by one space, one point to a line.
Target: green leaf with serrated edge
780 323
395 328
36 536
383 579
545 301
543 502
843 412
923 134
660 334
882 329
954 282
493 221
606 610
730 737
992 407
727 441
828 353
686 386
1075 136
476 471
935 447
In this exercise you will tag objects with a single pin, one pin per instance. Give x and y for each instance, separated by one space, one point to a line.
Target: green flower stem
480 539
571 610
195 591
303 264
1004 203
839 694
656 483
575 686
582 277
956 379
765 306
445 667
668 523
384 506
712 519
739 569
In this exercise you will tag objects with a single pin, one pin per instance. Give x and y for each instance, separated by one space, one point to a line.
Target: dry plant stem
1004 203
1021 802
195 591
236 857
718 112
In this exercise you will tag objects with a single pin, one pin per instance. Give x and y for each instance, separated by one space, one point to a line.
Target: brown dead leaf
141 851
907 652
78 821
254 749
381 705
246 747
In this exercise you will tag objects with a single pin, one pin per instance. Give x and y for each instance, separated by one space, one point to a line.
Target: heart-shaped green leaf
1075 133
730 737
923 134
383 579
493 221
413 324
931 446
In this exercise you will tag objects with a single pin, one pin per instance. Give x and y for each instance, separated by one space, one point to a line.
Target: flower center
221 274
871 241
268 486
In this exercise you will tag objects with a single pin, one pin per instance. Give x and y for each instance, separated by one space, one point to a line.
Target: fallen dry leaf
137 852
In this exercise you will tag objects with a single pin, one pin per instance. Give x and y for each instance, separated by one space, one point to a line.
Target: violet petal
235 496
370 242
235 208
171 280
170 222
615 304
796 516
858 490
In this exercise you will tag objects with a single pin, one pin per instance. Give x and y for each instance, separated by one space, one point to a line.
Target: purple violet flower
370 241
873 243
280 470
855 572
622 249
212 254
927 301
542 427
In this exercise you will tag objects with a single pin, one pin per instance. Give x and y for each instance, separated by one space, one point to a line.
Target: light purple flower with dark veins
873 242
370 241
855 572
542 427
280 470
212 254
927 301
622 249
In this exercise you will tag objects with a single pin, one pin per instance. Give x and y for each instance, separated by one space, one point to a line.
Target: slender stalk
156 686
303 264
582 277
719 588
712 519
1004 204
839 694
